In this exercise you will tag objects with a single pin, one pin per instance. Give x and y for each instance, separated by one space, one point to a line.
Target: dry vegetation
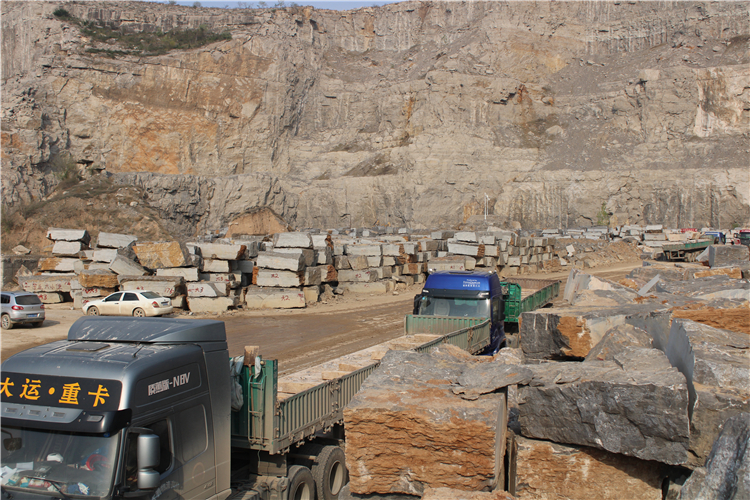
95 204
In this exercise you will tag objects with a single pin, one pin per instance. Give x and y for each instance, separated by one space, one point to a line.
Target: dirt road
297 338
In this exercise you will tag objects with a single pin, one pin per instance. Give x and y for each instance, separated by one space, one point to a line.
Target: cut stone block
211 305
69 248
98 279
358 262
467 236
377 287
570 333
274 298
312 294
447 264
367 250
281 261
466 249
179 301
374 260
232 278
81 235
428 246
207 289
51 297
415 268
186 273
292 240
114 240
721 255
616 340
126 267
39 284
309 257
276 278
216 266
314 275
727 471
406 431
324 256
221 251
59 264
88 293
716 364
161 254
442 235
635 406
362 276
545 471
163 285
454 494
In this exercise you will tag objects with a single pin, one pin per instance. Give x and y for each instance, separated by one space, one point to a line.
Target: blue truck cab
473 294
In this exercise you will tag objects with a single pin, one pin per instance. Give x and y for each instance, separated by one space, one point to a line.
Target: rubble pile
614 396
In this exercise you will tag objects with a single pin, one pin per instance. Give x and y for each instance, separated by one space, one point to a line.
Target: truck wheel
329 472
93 311
301 483
5 322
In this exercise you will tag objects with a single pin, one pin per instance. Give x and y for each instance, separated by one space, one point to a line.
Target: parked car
129 303
19 308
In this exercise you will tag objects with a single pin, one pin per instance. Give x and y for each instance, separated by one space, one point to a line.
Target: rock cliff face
407 114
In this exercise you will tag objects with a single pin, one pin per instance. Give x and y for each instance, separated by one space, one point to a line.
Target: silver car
19 308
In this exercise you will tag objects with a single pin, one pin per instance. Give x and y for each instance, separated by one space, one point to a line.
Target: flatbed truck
137 408
687 251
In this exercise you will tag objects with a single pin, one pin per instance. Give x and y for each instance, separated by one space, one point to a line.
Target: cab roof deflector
147 330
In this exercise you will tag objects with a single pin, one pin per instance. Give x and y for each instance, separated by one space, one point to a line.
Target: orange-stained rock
406 431
451 494
551 471
161 254
98 278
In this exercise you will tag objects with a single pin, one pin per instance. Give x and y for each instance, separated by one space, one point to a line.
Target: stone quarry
613 396
418 114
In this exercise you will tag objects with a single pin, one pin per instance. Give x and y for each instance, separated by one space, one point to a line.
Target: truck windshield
55 463
468 308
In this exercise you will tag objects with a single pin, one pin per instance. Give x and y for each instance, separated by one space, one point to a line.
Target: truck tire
5 322
329 472
301 483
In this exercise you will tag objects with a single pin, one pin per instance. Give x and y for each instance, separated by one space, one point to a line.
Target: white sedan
129 303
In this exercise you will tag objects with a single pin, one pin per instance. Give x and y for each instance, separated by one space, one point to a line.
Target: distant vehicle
130 303
744 237
718 236
21 308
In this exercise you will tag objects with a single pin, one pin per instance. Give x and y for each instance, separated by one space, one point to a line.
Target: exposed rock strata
405 114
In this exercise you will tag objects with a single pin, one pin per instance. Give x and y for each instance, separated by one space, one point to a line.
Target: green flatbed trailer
685 251
526 294
271 423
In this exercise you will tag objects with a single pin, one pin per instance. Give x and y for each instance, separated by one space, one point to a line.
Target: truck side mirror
148 458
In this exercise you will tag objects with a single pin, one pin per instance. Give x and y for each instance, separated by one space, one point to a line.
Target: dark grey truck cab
125 408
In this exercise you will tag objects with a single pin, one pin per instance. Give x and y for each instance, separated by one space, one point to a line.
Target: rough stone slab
179 301
216 266
98 279
161 254
211 305
382 272
81 235
51 297
377 287
489 377
406 431
207 289
428 246
59 264
466 236
312 294
374 260
358 262
545 470
163 285
314 275
276 278
571 333
92 292
727 471
442 235
221 251
126 267
114 240
579 282
716 364
106 255
274 298
654 237
232 278
367 250
292 240
635 406
186 273
616 340
724 255
309 256
454 494
324 256
447 264
361 276
38 284
68 248
281 261
413 268
466 249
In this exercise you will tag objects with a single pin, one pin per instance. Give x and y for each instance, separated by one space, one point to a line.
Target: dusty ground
298 338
